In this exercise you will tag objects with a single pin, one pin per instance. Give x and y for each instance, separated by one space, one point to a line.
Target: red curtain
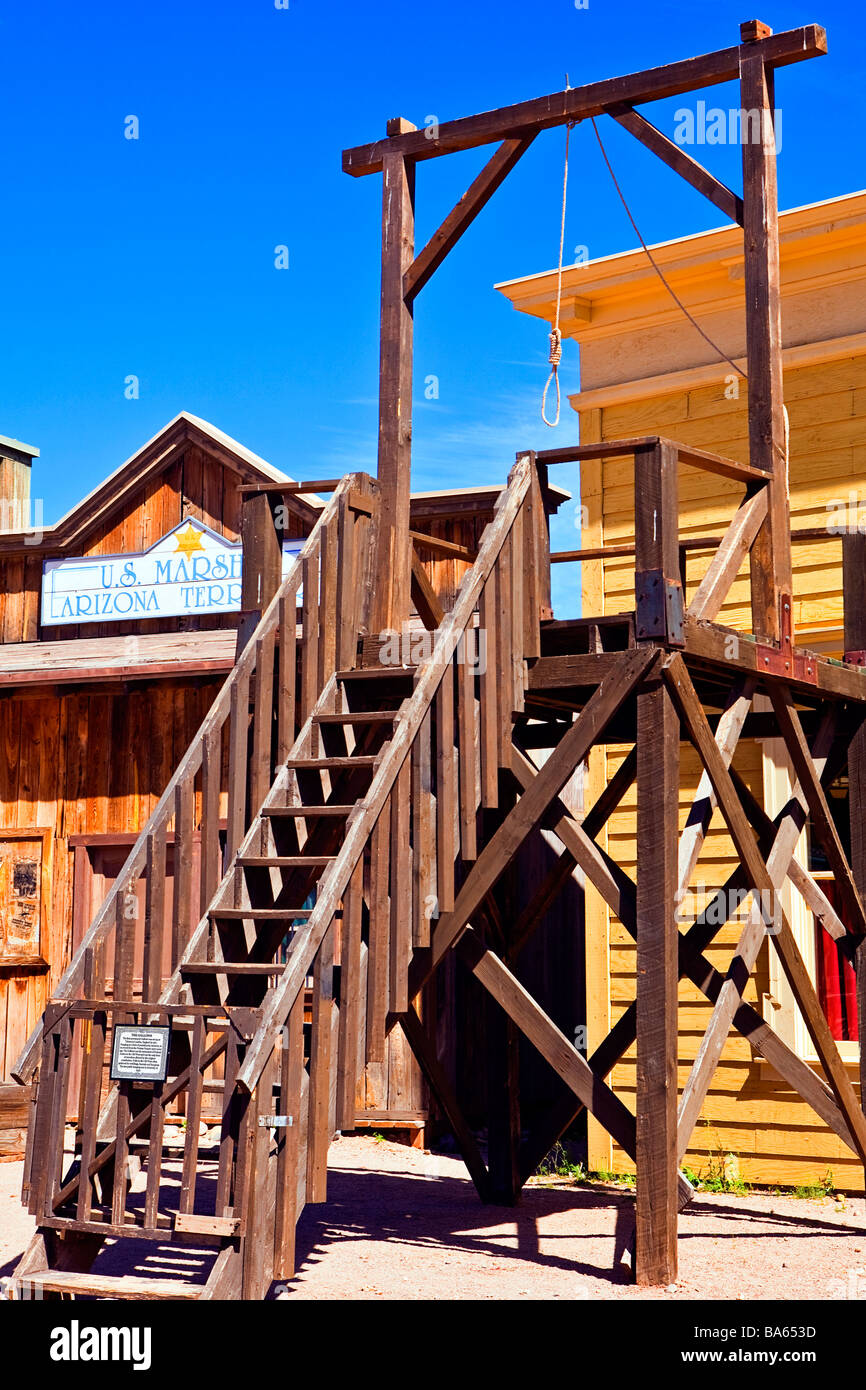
837 982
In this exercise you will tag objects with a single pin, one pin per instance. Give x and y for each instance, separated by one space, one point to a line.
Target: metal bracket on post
775 662
786 624
784 659
674 613
659 608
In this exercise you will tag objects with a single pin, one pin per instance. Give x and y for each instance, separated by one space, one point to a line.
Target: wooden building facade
643 368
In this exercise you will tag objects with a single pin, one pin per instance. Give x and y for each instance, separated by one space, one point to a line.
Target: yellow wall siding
749 1111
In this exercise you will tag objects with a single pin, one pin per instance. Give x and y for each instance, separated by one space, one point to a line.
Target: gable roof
151 459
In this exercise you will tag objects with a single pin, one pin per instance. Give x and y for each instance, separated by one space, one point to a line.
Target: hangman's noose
555 333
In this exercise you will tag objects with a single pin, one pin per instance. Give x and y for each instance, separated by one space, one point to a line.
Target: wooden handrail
645 444
428 680
186 770
625 549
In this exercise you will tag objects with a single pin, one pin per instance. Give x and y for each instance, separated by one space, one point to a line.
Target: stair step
358 716
110 1286
343 764
307 812
259 914
366 673
230 967
285 861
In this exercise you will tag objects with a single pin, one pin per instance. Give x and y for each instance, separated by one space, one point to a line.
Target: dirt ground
404 1224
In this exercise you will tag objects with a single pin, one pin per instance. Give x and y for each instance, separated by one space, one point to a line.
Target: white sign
191 571
139 1053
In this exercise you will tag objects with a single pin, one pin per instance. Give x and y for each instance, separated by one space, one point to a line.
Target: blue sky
155 257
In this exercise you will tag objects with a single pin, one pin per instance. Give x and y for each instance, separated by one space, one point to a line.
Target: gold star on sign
189 541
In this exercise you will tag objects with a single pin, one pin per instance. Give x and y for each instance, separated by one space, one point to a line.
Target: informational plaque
139 1052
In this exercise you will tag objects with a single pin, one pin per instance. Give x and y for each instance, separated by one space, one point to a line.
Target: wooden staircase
353 799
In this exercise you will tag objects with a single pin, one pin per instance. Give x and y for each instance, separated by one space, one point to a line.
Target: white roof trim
678 241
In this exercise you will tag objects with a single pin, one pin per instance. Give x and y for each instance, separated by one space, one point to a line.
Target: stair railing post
262 563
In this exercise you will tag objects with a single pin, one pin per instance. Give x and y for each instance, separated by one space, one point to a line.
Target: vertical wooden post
503 1120
262 568
771 572
393 559
502 1042
854 600
658 591
538 495
657 974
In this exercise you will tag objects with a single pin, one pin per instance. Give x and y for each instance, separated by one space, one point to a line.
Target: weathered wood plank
578 103
319 1128
401 892
392 564
469 771
771 571
462 215
658 737
725 565
682 163
288 1156
378 947
351 1013
446 794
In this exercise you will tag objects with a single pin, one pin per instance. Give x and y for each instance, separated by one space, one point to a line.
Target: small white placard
139 1052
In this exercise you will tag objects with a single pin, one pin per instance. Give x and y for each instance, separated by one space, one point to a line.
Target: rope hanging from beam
656 267
555 356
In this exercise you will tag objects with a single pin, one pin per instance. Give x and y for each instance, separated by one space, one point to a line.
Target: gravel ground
403 1224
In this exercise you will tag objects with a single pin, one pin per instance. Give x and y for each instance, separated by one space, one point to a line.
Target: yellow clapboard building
644 369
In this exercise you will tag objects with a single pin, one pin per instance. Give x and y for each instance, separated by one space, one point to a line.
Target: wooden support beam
549 890
639 444
823 824
695 967
392 565
685 697
771 571
727 735
262 570
552 1043
658 744
725 564
751 938
571 750
658 588
463 214
434 1073
676 158
578 103
612 882
424 596
809 889
450 549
